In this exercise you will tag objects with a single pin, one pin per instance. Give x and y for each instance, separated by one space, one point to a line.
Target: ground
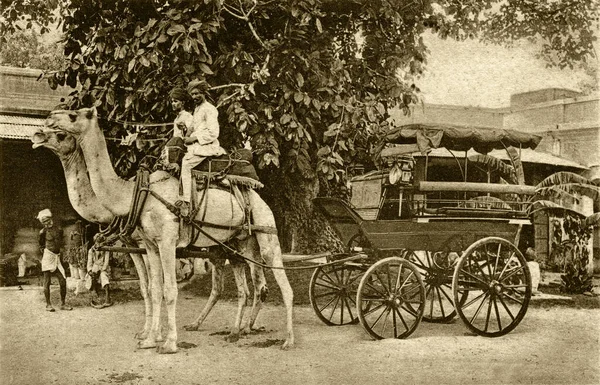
553 345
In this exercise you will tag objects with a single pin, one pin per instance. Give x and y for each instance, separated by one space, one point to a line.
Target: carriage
428 249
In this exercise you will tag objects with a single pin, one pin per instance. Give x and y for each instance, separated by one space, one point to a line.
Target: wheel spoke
325 294
514 271
373 310
471 302
479 308
445 294
381 281
497 315
410 311
327 286
506 308
517 300
440 302
349 308
327 305
397 311
487 317
387 309
337 302
329 279
474 277
370 285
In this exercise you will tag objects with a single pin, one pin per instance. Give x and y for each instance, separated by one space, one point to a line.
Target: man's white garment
184 118
205 127
51 262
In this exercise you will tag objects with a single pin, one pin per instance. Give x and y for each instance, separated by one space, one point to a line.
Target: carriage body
457 240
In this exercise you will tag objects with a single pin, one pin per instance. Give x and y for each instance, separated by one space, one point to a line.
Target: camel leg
258 282
156 287
239 272
170 292
142 273
271 252
215 293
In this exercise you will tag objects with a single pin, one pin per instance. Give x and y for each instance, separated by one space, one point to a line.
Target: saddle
235 166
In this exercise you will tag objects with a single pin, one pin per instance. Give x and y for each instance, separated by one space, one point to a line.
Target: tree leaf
204 68
175 29
490 163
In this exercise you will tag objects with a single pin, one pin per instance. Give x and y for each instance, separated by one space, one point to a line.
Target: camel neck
113 192
81 195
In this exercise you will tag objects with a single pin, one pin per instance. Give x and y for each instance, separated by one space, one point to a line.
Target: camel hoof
232 337
287 345
146 344
169 347
191 327
141 335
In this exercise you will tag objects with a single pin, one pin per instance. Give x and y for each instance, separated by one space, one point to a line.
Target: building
30 180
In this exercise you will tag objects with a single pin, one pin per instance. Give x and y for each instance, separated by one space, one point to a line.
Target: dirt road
90 346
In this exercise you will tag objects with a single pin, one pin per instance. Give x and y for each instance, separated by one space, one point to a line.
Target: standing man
202 138
50 240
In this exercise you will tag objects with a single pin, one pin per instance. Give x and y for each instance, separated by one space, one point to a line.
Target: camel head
73 122
61 143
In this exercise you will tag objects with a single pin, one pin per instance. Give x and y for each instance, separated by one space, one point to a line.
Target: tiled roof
527 156
19 127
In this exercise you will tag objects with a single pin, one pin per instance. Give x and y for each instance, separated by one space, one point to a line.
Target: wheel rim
332 293
494 276
436 271
391 299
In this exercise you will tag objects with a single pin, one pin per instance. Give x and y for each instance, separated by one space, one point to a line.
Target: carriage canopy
459 138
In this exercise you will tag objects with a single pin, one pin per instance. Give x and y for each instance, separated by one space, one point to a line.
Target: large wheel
436 271
332 293
391 299
494 275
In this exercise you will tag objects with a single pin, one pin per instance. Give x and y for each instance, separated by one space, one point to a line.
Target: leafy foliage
575 255
308 83
20 15
506 171
25 49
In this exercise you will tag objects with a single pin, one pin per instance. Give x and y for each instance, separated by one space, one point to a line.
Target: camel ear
91 113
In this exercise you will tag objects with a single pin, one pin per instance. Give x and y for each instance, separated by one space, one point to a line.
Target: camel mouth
38 139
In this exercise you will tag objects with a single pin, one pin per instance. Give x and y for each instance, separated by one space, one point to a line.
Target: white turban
45 213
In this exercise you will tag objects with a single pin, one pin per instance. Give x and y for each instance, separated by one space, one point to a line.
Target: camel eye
61 136
73 117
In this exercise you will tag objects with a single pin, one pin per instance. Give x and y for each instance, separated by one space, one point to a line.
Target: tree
25 49
308 82
19 15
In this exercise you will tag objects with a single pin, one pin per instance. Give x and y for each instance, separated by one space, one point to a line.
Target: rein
121 228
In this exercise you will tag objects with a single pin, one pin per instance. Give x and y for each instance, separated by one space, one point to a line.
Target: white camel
85 202
159 227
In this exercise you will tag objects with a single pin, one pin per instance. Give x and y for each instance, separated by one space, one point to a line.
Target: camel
86 203
159 227
84 200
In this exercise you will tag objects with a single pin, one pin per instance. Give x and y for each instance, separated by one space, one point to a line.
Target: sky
470 73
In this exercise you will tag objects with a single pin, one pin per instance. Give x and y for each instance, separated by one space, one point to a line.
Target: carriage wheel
494 275
332 293
436 271
357 240
391 299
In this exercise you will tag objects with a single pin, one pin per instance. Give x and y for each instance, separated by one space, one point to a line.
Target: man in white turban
51 242
202 138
